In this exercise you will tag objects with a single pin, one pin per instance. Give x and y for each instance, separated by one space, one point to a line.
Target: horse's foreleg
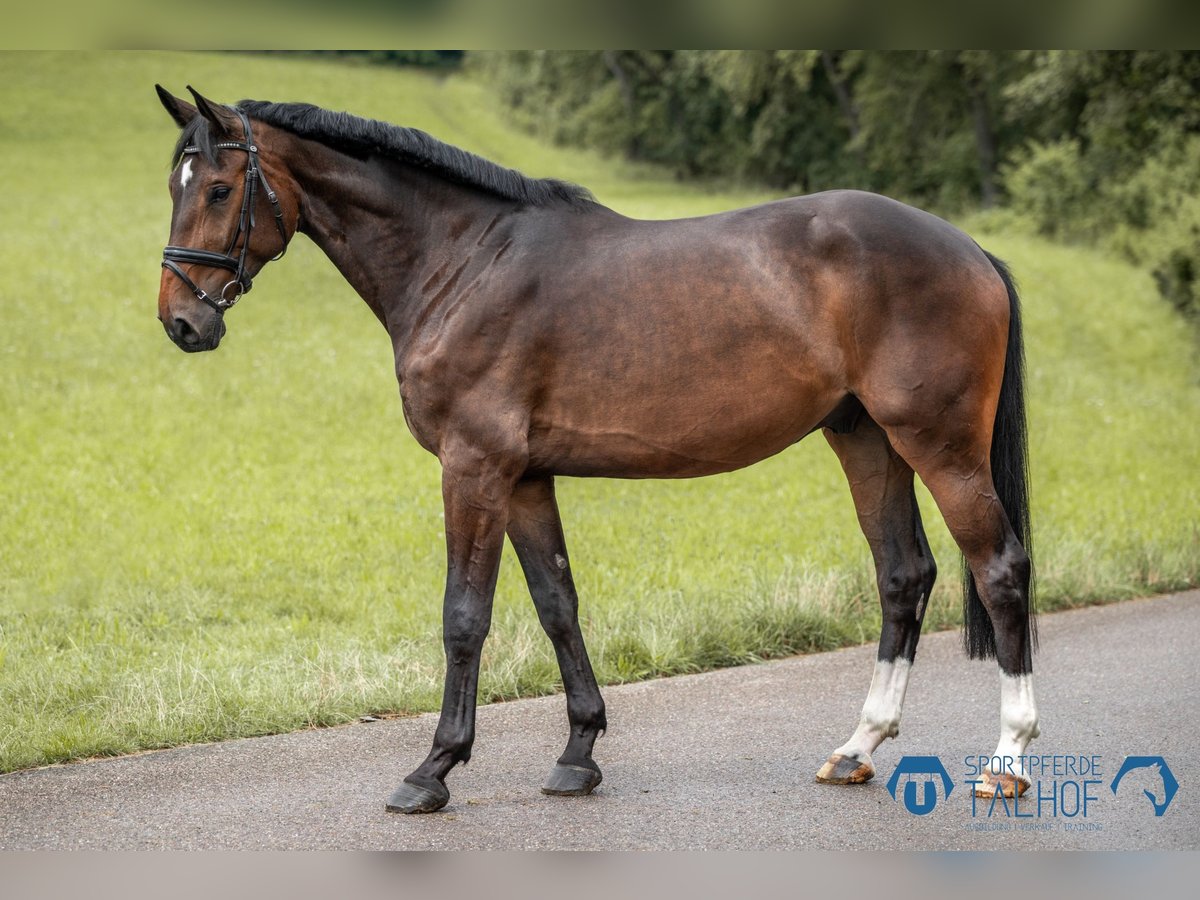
536 533
882 486
476 494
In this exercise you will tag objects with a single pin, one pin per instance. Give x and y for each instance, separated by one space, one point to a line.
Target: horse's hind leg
882 485
536 533
960 481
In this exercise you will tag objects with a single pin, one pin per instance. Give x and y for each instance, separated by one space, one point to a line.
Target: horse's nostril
185 332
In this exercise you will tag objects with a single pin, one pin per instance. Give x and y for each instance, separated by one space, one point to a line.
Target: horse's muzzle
188 339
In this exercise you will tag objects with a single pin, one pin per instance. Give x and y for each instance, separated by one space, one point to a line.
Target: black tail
1010 475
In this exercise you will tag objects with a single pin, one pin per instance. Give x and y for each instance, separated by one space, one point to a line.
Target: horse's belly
665 394
674 435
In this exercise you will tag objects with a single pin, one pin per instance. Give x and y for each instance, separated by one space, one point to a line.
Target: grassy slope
249 541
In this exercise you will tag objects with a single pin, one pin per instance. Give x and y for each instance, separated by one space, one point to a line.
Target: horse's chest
424 406
445 393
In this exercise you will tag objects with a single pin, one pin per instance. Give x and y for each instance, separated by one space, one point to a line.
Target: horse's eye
217 194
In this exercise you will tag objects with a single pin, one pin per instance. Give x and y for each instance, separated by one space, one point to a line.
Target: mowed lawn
248 541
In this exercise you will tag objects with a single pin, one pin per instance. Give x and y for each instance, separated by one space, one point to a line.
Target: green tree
928 126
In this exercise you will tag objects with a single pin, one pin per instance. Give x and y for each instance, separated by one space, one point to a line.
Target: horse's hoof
571 781
840 769
1006 785
429 795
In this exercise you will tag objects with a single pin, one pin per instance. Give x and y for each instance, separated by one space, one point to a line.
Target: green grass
237 543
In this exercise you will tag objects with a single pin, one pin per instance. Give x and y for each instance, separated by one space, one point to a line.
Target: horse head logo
1158 766
928 766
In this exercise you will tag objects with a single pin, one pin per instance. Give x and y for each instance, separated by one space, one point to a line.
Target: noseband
173 256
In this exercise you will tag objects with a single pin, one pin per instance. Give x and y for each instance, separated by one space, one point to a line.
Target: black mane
362 137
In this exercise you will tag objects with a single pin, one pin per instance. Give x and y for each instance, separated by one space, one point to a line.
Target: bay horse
539 334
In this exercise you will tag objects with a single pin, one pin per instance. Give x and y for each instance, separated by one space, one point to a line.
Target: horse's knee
558 620
463 633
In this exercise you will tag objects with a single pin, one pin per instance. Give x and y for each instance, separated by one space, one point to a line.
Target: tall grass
244 542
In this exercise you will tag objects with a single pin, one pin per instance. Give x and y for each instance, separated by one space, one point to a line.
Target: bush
1049 185
1151 217
1160 222
1173 252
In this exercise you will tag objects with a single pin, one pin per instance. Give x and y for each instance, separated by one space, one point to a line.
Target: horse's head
227 220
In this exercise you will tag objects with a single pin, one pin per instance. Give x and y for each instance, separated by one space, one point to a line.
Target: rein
174 256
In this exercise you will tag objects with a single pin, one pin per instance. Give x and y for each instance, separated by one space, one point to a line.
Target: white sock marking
881 712
1018 720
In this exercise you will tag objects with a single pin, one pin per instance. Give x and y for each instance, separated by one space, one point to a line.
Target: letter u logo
927 803
929 766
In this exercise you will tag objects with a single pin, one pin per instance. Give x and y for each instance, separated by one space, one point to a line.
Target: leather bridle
173 256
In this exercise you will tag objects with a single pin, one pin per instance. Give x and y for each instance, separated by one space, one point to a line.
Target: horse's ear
222 118
181 111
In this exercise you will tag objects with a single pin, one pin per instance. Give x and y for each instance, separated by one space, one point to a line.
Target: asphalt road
719 760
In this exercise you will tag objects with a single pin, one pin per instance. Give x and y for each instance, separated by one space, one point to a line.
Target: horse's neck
382 223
